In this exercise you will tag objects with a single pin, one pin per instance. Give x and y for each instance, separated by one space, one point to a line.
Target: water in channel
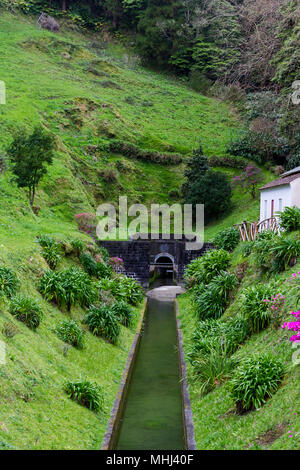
152 418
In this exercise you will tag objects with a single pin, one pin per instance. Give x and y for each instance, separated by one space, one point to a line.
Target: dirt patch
271 435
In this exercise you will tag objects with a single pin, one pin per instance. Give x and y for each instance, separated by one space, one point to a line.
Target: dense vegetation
241 369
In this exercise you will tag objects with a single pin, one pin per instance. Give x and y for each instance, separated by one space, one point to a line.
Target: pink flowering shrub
117 264
87 223
276 304
294 326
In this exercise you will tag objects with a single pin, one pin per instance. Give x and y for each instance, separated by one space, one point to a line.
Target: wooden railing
249 230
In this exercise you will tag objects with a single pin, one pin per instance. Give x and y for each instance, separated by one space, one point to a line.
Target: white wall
278 192
295 196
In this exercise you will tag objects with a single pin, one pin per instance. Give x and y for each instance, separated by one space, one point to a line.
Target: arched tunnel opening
163 270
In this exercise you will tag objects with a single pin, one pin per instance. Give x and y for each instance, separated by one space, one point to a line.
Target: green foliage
103 321
205 268
66 288
255 309
123 288
86 393
227 239
30 155
132 151
255 380
205 186
26 310
124 313
261 250
9 283
225 336
93 268
289 219
70 332
51 250
212 369
78 246
285 252
212 300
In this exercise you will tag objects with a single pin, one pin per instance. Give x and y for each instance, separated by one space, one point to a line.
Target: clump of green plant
104 322
227 239
255 308
51 250
261 250
285 252
289 219
211 300
124 313
66 288
123 288
78 246
26 310
9 283
93 268
255 380
70 332
86 393
224 336
208 266
212 369
9 330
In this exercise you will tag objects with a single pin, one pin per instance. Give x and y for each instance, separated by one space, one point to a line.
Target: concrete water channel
153 410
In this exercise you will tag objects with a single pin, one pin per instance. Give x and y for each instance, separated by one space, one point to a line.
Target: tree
205 186
249 179
30 155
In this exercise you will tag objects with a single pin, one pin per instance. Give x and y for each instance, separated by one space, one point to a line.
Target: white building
280 193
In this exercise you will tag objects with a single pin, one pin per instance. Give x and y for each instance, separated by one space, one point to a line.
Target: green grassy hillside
276 424
86 92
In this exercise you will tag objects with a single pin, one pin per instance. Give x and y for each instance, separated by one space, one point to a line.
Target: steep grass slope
87 92
276 425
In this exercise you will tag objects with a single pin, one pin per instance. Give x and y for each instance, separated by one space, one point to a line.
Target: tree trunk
63 5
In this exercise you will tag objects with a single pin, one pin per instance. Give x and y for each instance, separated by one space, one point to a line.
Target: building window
280 205
272 208
266 209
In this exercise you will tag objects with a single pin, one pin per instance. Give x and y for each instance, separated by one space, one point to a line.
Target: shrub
212 301
124 312
93 268
86 393
51 250
9 283
227 239
132 151
78 246
67 287
9 330
262 256
289 219
70 332
225 336
285 252
205 268
212 370
255 380
26 310
254 307
129 290
103 321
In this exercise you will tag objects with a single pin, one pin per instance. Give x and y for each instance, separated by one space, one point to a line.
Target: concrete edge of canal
111 435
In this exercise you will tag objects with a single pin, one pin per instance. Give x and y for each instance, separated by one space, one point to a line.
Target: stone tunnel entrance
164 268
142 257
